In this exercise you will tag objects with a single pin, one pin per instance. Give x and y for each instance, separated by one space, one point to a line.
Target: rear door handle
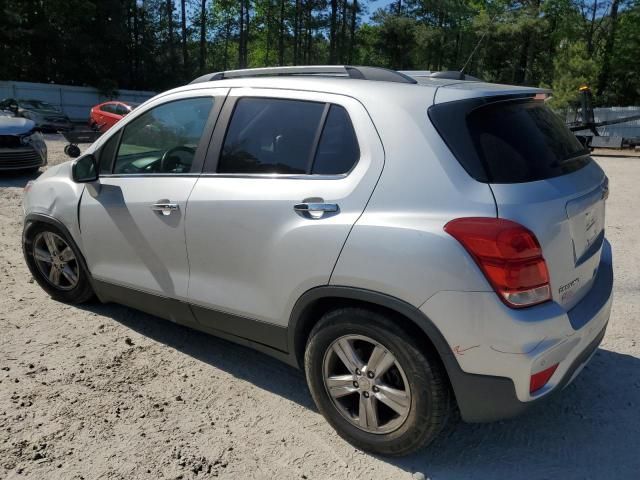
316 210
165 207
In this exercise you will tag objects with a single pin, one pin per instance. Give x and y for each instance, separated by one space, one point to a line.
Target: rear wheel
374 384
55 263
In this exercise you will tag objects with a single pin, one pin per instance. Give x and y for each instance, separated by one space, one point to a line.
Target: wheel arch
471 391
314 303
33 219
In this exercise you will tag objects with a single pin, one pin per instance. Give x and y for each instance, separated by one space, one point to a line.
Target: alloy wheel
366 384
55 260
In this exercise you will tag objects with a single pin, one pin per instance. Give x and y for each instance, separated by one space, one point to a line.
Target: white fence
75 102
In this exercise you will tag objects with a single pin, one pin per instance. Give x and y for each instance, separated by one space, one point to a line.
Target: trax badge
567 291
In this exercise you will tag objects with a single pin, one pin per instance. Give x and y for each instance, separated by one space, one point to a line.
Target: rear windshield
508 141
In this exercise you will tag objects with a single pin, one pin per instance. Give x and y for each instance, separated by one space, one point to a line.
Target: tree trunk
521 69
136 46
296 32
227 32
281 36
268 42
241 39
307 48
183 27
343 33
203 35
245 48
591 30
332 32
352 40
603 78
170 30
143 39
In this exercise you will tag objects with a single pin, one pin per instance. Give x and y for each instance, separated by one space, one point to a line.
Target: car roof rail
448 74
362 73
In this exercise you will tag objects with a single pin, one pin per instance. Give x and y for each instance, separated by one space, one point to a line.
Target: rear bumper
497 349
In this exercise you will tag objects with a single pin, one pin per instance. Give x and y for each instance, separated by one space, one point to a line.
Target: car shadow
589 430
273 375
17 179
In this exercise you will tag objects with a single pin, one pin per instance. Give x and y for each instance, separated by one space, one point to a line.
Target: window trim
224 121
201 150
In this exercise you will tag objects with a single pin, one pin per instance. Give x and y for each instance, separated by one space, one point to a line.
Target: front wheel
55 263
373 383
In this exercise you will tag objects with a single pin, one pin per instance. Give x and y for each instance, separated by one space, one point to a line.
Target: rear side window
121 110
509 141
338 149
281 136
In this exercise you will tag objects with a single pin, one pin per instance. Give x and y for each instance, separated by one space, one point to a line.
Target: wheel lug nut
375 389
355 384
357 371
370 374
366 394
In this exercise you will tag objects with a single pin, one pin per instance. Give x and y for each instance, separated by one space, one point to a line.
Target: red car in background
105 115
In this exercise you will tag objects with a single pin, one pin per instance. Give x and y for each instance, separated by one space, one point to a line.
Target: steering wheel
169 160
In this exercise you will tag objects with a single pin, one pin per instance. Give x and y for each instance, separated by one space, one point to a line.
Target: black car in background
45 115
22 147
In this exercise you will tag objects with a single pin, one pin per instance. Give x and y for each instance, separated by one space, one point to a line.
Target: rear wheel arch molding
315 302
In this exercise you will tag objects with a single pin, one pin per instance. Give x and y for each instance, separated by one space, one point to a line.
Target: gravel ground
103 391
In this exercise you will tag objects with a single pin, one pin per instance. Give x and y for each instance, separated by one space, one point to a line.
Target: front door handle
316 210
165 207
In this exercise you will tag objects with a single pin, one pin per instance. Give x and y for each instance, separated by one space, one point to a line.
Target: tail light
509 255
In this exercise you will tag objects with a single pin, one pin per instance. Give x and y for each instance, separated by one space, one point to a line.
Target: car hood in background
15 126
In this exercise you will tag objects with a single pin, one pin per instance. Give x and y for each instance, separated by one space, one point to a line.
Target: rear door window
511 141
282 136
268 135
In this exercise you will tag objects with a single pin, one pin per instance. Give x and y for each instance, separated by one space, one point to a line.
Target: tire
76 292
426 401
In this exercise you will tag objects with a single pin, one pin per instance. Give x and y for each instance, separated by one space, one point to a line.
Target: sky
374 5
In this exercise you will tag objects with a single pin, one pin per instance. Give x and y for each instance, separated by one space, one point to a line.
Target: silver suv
423 248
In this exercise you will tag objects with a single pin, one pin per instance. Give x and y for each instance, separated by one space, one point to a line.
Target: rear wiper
581 154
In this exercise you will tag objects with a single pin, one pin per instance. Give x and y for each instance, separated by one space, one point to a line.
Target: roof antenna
477 45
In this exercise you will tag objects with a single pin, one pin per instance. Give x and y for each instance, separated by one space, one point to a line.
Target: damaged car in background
46 116
22 147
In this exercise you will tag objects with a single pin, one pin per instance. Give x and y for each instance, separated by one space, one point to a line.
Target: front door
133 221
283 184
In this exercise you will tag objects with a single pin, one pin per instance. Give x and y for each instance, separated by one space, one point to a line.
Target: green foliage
114 44
572 69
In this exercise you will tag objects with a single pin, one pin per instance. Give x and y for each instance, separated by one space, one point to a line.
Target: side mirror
85 169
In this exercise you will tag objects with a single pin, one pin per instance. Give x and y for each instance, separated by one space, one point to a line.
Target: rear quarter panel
398 246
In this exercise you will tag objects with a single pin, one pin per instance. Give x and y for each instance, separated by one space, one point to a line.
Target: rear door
133 223
287 176
541 177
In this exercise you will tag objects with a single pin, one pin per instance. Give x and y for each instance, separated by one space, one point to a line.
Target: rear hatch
541 177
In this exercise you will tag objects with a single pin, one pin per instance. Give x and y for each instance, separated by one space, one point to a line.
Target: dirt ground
106 392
